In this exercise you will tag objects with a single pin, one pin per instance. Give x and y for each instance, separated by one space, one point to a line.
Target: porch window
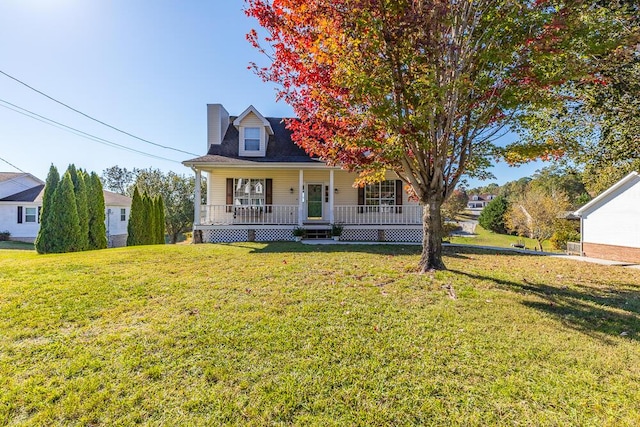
251 139
249 192
380 196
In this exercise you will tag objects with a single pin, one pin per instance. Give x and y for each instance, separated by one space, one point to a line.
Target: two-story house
261 186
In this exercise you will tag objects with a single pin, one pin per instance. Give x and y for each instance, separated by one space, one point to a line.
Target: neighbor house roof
115 199
481 197
33 194
633 176
7 176
280 148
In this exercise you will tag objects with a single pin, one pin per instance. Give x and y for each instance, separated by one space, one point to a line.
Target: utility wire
25 186
12 165
43 119
96 120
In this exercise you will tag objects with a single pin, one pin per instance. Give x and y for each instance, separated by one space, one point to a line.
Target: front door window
314 201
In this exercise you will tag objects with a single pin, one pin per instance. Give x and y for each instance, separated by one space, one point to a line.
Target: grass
4 244
288 334
485 237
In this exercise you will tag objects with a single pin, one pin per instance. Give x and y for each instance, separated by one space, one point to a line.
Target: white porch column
331 192
300 193
197 199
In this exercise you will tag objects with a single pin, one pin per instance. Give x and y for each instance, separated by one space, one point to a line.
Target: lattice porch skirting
227 235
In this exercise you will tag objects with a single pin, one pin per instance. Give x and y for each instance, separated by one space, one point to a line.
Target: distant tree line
537 207
72 216
177 192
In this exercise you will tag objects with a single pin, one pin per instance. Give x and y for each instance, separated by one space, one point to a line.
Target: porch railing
378 215
288 215
239 215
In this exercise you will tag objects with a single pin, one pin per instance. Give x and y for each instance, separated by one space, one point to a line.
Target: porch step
318 233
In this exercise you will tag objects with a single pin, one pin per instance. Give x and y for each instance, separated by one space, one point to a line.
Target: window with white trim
380 194
251 139
123 214
249 192
30 214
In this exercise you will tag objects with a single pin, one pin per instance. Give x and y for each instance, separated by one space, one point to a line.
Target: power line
20 183
75 131
12 165
43 119
96 120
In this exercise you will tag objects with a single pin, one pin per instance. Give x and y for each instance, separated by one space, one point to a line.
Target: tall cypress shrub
43 240
64 223
135 226
95 203
80 191
159 220
149 220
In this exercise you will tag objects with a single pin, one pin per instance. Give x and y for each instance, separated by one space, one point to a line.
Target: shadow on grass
453 251
600 313
595 307
289 247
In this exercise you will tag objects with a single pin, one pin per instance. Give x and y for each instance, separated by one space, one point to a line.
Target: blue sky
148 67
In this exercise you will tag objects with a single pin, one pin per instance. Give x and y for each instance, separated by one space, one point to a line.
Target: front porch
278 215
266 203
230 223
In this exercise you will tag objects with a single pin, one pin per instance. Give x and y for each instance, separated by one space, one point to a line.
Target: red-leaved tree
423 87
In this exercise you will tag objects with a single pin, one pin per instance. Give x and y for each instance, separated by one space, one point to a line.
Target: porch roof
213 160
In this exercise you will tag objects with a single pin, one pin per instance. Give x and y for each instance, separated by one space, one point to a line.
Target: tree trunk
431 258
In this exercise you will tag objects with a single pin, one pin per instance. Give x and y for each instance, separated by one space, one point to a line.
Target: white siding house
117 210
480 201
20 211
610 223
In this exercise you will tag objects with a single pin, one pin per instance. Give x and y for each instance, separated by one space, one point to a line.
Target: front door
314 201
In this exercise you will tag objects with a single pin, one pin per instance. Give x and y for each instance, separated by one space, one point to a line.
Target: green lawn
484 237
16 245
289 334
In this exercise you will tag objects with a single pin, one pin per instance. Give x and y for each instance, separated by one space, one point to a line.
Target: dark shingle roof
280 148
31 195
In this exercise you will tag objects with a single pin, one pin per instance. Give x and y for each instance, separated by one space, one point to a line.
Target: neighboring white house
479 201
261 186
610 223
20 210
117 209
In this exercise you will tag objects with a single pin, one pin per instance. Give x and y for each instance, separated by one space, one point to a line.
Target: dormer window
251 139
254 132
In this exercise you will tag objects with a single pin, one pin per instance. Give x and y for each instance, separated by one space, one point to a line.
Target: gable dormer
254 131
